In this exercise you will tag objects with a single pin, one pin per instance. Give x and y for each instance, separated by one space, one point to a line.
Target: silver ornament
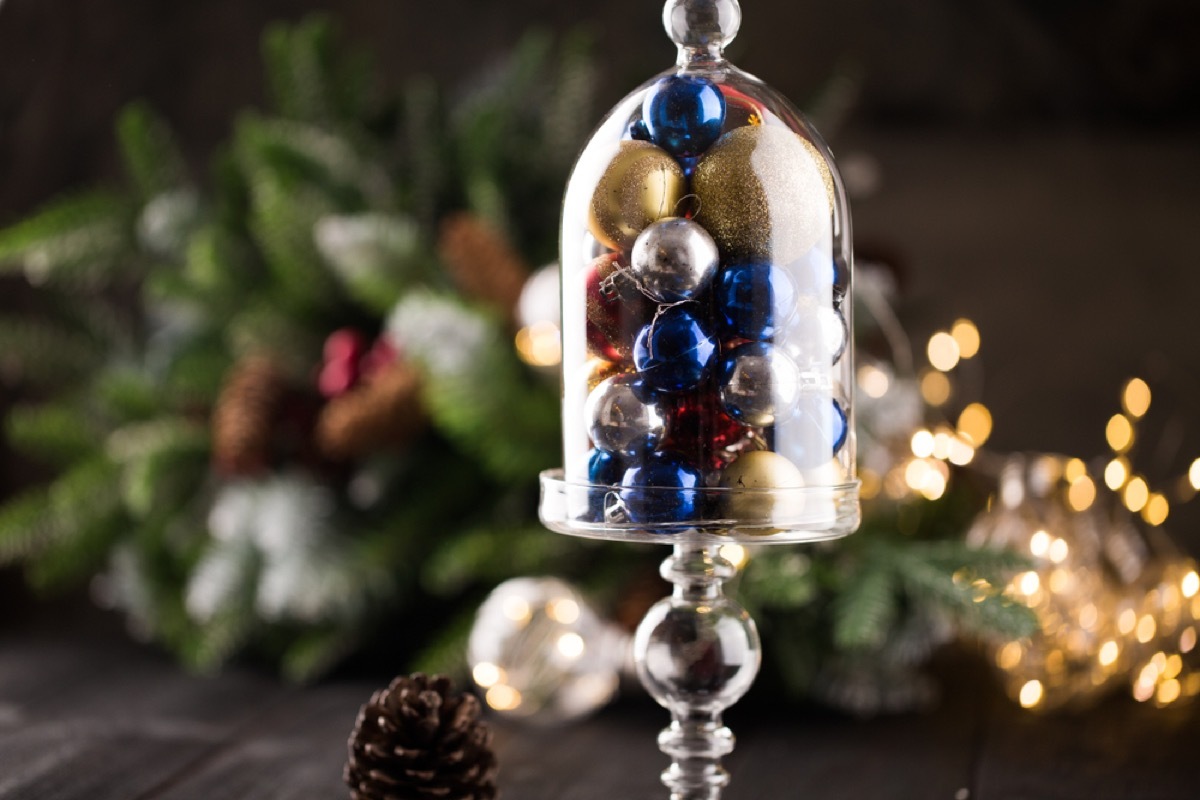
818 334
760 384
539 653
673 259
618 420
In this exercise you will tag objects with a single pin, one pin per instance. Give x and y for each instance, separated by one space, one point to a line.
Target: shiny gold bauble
642 184
760 470
762 195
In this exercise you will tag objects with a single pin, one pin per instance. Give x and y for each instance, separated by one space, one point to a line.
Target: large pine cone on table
417 739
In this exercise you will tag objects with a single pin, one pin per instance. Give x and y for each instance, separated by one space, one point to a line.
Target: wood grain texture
86 715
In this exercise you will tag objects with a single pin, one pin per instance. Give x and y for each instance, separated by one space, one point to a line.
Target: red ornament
382 355
616 309
742 109
699 428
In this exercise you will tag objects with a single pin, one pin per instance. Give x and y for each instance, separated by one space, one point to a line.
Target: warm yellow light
1190 584
1089 615
1108 653
1028 582
961 452
1194 475
870 484
1031 694
1119 433
1156 510
1074 470
1173 667
975 423
564 610
1187 640
935 486
942 438
1039 543
1009 655
1058 550
1146 629
1082 493
873 381
1168 692
517 610
943 351
922 444
1126 621
570 645
1136 398
935 388
1116 473
733 553
503 697
1061 580
487 674
1137 494
540 345
966 335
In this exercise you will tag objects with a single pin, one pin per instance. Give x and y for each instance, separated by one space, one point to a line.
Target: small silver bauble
673 259
618 420
759 384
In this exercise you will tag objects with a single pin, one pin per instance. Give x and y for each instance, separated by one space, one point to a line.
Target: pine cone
482 262
244 417
385 412
416 740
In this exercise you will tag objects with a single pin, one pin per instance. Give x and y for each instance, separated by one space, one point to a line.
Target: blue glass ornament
663 488
673 352
684 114
639 131
604 470
754 300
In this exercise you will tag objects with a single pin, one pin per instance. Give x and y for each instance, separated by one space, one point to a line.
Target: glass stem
697 653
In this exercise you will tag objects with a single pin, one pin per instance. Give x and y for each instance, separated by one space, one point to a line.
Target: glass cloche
706 270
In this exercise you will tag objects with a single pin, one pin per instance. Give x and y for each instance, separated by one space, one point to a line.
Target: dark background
1038 160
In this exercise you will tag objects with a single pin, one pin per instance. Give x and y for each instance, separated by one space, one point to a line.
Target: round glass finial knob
702 24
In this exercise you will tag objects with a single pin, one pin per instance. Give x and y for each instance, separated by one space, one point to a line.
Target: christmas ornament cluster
705 262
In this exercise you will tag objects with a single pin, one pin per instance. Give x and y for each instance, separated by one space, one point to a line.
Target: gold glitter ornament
763 469
762 195
641 185
822 167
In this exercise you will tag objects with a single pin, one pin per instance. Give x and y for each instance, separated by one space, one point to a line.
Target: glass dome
707 356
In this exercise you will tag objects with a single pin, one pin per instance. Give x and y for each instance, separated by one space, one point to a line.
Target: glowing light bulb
1031 694
1108 653
935 388
1074 470
1135 399
1190 584
975 423
1137 494
1194 475
943 352
922 444
1081 493
1156 510
873 381
1119 433
966 335
1116 473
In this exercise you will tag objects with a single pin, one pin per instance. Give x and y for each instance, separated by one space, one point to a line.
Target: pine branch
446 653
59 433
72 560
151 154
315 652
376 257
297 59
42 353
865 608
779 579
488 555
977 611
36 520
76 241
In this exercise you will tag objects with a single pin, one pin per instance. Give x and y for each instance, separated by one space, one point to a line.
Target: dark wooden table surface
87 715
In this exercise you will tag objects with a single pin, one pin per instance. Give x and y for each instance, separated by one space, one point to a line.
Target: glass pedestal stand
697 652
